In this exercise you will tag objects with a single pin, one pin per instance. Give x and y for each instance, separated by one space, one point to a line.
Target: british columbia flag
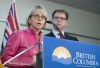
11 24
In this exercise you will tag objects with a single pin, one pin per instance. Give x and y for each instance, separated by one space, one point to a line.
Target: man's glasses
37 17
57 18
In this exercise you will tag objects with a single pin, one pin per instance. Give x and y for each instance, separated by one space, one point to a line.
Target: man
60 19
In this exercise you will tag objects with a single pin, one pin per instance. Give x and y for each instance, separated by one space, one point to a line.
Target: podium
60 53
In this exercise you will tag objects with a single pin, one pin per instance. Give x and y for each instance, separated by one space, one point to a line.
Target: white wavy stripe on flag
9 30
8 27
5 40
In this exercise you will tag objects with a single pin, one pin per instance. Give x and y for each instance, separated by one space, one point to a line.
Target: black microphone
39 63
56 27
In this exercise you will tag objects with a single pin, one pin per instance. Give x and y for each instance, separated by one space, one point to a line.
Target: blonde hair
33 10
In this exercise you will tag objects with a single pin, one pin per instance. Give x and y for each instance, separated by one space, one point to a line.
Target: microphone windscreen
49 22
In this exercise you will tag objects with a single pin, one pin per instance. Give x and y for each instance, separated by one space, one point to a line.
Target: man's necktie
61 36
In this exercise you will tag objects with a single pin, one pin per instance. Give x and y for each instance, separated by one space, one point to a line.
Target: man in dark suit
60 19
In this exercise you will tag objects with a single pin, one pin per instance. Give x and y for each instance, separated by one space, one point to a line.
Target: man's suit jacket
66 36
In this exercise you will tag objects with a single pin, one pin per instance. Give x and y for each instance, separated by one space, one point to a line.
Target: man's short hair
62 11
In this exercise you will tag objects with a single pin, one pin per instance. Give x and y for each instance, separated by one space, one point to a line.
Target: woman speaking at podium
23 39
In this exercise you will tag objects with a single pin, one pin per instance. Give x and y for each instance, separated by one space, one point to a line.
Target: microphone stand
55 26
21 53
39 62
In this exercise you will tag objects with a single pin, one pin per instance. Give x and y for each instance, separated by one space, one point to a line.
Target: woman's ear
29 21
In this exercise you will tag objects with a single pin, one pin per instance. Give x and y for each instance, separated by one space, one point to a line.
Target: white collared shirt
56 33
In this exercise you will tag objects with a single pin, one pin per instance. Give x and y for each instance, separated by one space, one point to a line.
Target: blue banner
70 54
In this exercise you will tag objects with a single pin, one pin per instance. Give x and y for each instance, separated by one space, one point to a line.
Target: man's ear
67 23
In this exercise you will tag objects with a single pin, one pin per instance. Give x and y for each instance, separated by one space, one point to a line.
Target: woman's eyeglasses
37 17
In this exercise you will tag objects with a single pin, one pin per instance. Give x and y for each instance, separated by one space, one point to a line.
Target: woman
23 39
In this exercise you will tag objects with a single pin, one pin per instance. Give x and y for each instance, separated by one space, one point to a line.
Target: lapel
52 35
